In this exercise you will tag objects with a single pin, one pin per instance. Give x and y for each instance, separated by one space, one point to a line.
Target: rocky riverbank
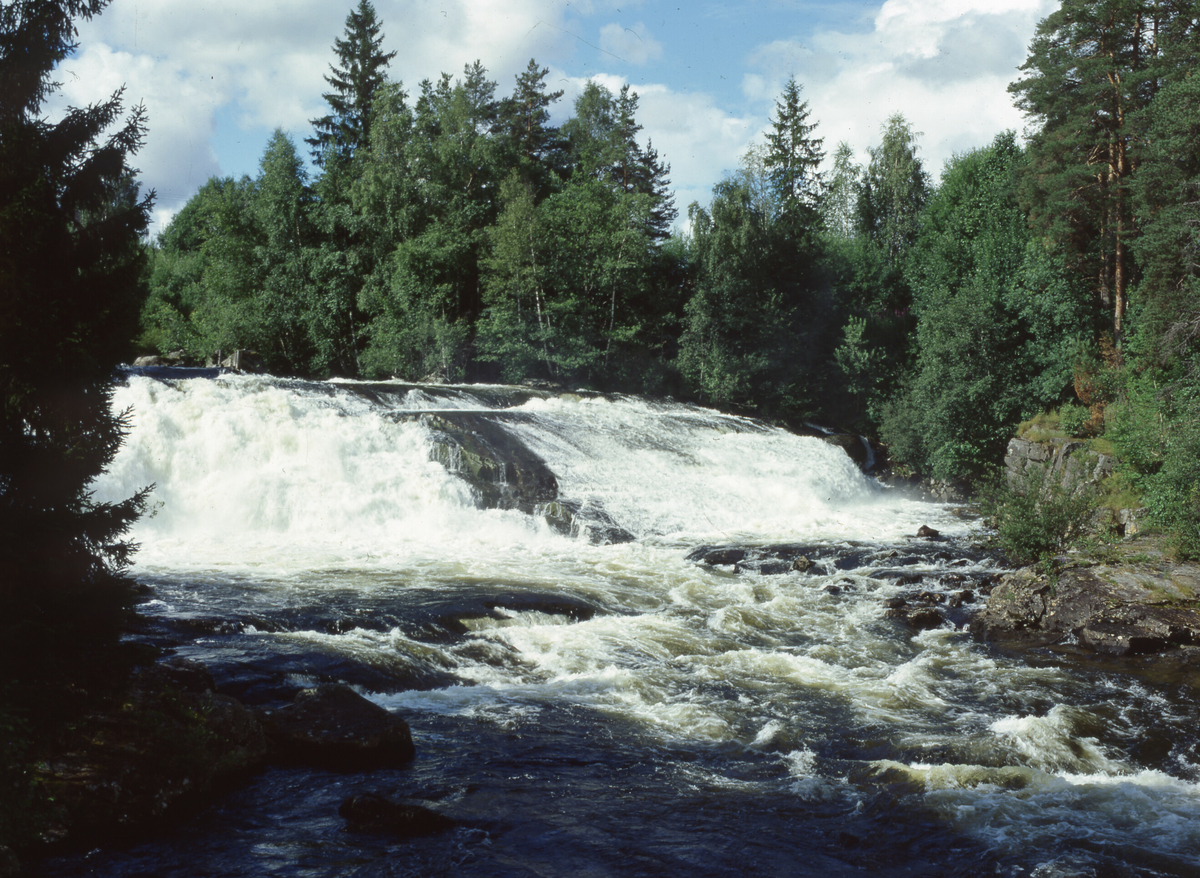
1130 602
163 743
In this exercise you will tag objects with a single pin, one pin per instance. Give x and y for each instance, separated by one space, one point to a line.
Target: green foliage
892 193
793 156
1155 428
839 201
758 325
1167 202
1093 68
988 352
1036 518
1073 418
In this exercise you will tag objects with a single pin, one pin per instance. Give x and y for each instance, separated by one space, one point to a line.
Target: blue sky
218 76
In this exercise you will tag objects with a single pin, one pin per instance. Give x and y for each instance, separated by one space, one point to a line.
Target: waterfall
318 530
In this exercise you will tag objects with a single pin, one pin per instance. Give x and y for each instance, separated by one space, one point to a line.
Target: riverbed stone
332 726
917 618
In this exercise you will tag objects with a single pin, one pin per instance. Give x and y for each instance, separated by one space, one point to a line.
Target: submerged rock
370 812
332 726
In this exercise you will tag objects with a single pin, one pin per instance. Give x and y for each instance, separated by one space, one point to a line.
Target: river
615 709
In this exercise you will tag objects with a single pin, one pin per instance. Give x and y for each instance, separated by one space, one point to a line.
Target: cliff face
1065 461
1075 467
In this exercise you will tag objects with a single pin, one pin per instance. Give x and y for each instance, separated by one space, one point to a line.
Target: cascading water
620 709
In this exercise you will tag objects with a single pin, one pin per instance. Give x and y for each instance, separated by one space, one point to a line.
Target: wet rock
774 567
930 597
832 589
965 596
895 603
332 726
714 556
1118 610
501 469
917 618
801 564
928 533
370 812
854 447
589 519
909 579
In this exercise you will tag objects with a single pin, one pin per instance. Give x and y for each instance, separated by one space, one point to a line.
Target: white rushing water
290 488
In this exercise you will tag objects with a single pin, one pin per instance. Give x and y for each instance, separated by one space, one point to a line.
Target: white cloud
199 65
943 64
631 44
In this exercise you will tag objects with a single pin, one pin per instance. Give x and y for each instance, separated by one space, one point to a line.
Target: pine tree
71 262
355 83
525 121
1091 68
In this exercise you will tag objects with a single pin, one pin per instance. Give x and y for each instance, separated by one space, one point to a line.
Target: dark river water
613 710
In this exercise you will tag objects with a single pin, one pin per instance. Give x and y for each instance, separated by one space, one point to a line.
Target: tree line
459 235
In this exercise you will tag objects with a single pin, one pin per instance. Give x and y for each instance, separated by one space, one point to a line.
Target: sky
217 77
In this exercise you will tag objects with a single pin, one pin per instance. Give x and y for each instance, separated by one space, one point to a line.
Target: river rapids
614 709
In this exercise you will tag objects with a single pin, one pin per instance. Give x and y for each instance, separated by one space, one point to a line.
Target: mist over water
621 707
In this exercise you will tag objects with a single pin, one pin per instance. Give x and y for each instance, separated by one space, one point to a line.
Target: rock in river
332 726
370 812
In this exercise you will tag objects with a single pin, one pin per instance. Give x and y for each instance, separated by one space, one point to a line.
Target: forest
454 234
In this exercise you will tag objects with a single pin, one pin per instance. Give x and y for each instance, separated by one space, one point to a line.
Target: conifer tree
793 157
1091 68
71 260
525 119
356 79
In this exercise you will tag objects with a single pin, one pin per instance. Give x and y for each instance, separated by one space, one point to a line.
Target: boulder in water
332 726
917 618
370 812
503 471
714 555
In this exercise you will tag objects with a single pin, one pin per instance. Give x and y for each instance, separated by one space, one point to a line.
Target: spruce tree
71 263
793 157
355 80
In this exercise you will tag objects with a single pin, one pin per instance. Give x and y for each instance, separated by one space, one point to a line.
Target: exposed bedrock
503 471
1135 608
506 474
332 726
